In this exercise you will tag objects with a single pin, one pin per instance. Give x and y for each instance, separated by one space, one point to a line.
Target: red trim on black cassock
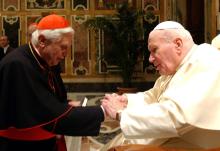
32 133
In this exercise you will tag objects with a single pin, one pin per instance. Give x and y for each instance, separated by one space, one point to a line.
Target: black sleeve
81 121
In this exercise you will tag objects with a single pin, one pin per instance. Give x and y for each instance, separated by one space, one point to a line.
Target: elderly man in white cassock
183 107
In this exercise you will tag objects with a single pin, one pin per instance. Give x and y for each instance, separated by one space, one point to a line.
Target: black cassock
1 53
33 105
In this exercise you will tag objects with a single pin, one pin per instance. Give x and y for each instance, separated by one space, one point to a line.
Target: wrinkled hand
113 103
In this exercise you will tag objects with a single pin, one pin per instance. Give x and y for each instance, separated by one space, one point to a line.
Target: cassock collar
187 57
42 63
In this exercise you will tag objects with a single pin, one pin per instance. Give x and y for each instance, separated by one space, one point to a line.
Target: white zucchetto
168 25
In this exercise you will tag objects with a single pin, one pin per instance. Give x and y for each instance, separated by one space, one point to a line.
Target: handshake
113 104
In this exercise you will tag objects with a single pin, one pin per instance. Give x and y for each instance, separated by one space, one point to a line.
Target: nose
151 59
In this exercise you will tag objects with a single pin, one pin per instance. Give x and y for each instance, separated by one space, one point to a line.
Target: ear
42 41
178 45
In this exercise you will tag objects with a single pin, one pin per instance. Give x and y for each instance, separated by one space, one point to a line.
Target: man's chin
161 72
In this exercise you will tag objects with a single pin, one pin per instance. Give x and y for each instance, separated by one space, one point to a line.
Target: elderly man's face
163 53
4 41
55 51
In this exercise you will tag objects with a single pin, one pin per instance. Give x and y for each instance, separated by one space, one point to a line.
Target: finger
114 94
74 103
104 100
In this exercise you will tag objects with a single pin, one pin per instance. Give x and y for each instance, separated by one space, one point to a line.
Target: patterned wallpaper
82 61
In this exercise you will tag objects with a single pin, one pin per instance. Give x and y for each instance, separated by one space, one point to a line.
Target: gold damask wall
82 63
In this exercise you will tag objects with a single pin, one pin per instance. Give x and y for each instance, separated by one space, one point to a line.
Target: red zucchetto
52 22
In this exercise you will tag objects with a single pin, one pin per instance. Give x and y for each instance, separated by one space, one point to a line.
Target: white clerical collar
5 49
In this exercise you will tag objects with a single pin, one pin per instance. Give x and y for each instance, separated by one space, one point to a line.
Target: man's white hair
54 34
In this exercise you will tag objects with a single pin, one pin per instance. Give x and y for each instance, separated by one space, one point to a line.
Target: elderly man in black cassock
33 105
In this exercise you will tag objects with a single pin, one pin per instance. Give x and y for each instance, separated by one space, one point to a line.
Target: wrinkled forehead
164 34
154 38
3 38
156 35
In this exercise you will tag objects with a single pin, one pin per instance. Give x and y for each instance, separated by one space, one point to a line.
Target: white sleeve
156 120
140 98
135 99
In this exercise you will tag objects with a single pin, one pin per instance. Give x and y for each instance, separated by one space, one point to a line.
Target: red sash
36 133
33 134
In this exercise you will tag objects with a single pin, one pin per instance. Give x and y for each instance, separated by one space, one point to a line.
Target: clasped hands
113 103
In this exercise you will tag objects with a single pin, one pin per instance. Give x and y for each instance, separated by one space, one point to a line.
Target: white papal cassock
181 110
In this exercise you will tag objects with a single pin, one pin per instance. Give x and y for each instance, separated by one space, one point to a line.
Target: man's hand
114 103
74 103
